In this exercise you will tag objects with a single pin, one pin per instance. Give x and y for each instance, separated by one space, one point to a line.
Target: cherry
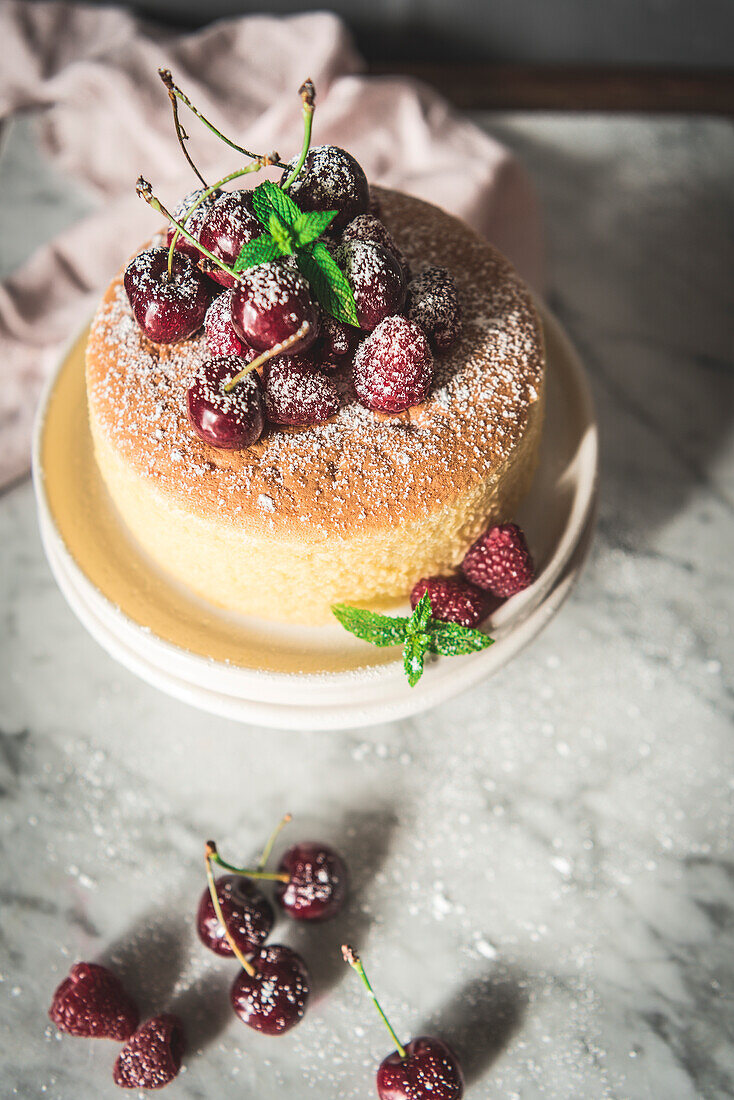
428 1069
273 997
167 308
376 278
271 303
227 420
221 338
366 227
337 339
317 884
230 223
248 913
193 222
330 179
296 393
423 1069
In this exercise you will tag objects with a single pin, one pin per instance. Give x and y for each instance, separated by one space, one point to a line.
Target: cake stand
280 675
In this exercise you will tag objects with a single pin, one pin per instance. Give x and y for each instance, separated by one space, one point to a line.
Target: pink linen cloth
105 118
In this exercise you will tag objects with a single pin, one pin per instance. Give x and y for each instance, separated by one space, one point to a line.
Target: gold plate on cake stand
245 668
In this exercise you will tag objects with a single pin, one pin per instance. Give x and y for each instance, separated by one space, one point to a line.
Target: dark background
678 33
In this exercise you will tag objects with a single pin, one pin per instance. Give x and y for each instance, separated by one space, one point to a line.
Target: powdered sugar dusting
361 468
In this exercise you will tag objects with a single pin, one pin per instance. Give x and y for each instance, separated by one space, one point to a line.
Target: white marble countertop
543 867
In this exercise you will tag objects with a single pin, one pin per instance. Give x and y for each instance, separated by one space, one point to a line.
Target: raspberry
296 394
221 338
376 279
367 227
152 1057
92 1003
452 600
499 561
393 367
433 304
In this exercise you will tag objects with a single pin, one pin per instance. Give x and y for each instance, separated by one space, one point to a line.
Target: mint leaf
377 629
281 234
413 655
269 199
257 251
421 616
308 227
452 640
328 282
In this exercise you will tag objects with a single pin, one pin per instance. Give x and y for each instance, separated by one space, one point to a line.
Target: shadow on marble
641 277
364 841
481 1018
205 1007
151 955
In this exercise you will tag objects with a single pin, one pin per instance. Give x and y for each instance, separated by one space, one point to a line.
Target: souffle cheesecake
334 499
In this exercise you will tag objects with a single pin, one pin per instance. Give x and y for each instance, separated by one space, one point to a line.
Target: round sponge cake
356 509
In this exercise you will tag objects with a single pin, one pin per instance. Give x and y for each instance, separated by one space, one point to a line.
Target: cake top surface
361 470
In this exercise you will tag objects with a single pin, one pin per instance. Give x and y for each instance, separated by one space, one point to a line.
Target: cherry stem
262 162
277 349
267 876
307 93
262 862
173 89
145 191
183 137
210 853
350 956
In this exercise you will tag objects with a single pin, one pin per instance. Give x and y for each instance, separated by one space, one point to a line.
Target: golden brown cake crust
359 471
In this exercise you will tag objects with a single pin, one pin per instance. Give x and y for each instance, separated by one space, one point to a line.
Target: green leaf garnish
453 640
282 235
290 230
308 227
376 629
268 198
413 654
328 282
256 252
419 634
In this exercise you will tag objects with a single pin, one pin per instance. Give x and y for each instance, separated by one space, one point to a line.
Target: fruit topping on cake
393 367
499 561
296 393
433 304
453 600
308 266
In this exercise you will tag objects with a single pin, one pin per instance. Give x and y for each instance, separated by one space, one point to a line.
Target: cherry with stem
182 136
265 855
307 93
261 162
423 1069
256 872
174 90
210 853
350 956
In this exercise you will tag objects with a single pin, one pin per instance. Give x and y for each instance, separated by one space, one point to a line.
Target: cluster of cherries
276 355
234 920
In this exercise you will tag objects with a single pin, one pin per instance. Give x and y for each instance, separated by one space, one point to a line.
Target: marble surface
542 867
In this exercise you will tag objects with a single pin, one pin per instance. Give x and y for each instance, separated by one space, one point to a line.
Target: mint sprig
418 633
290 231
